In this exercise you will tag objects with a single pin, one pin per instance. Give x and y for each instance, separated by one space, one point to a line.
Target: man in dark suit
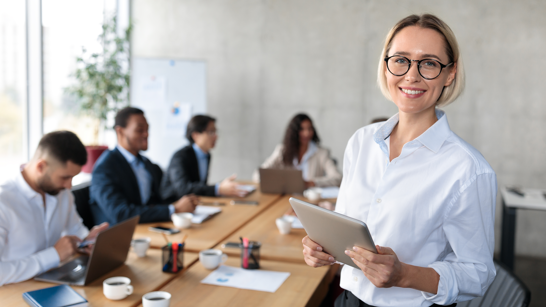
125 184
189 167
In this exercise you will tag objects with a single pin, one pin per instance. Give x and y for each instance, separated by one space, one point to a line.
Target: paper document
329 192
259 280
203 213
296 224
247 187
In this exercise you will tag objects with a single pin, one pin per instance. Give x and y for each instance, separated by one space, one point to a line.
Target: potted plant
102 82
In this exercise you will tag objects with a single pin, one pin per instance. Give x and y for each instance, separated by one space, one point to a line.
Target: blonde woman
427 196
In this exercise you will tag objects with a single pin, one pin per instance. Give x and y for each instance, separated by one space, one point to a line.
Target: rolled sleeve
467 271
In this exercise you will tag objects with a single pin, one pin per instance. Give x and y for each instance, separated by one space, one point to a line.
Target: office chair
506 291
81 198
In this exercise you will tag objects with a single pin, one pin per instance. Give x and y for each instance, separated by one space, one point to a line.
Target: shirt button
355 278
378 200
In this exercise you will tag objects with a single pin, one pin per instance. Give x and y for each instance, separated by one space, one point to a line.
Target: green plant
102 80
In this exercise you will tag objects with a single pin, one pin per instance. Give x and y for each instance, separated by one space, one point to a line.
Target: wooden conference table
287 248
209 233
145 274
305 286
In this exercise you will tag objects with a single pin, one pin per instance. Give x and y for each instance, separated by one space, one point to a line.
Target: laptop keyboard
74 270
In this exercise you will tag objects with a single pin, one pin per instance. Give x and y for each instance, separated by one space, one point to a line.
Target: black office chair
81 198
506 291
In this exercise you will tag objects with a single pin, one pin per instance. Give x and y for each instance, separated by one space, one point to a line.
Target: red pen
175 256
245 253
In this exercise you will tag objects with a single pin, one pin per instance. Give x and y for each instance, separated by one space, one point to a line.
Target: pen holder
250 256
169 262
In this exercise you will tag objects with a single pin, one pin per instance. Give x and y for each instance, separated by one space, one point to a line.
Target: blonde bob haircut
426 21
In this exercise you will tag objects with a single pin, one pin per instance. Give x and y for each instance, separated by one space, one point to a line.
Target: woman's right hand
313 254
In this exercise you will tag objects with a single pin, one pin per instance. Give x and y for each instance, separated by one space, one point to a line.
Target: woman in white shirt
427 196
301 150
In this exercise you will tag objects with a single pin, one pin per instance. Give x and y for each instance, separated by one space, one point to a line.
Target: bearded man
39 224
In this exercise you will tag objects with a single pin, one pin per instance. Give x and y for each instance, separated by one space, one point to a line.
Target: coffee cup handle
224 258
129 289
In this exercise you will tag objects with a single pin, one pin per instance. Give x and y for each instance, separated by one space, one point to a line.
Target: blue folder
58 296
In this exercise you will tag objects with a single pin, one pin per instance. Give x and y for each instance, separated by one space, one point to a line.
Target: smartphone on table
164 230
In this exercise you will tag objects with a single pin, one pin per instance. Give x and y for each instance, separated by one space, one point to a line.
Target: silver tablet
333 231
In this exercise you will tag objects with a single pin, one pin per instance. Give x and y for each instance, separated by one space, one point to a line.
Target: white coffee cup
182 220
212 258
156 299
117 288
140 246
284 224
312 194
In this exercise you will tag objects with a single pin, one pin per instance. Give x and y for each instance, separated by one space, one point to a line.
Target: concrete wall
268 60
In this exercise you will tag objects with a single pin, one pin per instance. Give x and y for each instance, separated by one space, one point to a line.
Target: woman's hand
384 269
313 254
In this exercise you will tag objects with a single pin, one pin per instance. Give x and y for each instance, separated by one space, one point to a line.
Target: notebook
203 213
57 296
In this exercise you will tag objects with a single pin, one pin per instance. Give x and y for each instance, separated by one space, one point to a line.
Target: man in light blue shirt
189 167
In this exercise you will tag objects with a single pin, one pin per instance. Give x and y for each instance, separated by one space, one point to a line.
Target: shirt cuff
447 286
217 189
48 259
171 209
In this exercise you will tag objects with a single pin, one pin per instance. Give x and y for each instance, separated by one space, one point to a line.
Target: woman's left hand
384 269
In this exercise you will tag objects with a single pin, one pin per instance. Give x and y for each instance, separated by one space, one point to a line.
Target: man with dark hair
125 183
39 224
188 170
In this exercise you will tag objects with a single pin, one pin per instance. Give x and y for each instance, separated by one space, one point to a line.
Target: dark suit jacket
182 176
114 193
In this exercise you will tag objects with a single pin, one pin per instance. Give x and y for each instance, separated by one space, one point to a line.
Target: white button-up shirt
29 231
434 205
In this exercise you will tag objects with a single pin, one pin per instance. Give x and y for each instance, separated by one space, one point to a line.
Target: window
12 86
68 26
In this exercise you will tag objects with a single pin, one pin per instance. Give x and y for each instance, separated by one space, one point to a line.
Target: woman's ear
452 75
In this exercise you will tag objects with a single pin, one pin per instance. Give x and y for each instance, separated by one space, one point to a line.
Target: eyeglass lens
428 68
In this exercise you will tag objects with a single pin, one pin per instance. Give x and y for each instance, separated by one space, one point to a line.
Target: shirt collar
25 188
311 149
432 138
199 152
126 154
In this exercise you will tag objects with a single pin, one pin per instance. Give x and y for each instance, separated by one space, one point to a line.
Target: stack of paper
329 192
296 223
247 187
259 280
203 213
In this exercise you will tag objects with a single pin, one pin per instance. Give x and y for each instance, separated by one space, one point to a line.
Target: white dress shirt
142 175
29 231
434 205
303 165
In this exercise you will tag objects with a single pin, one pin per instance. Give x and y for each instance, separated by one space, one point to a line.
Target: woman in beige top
300 150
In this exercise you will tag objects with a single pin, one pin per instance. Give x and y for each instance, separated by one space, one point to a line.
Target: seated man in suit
39 224
126 184
189 167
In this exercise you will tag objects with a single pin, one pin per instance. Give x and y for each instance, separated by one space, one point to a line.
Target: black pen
245 202
212 204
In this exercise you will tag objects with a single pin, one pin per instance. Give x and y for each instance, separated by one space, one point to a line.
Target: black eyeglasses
428 68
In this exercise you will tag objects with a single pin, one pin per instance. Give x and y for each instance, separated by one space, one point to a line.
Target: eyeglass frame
442 66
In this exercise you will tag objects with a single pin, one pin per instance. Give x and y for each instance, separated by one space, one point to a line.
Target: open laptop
281 181
110 251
